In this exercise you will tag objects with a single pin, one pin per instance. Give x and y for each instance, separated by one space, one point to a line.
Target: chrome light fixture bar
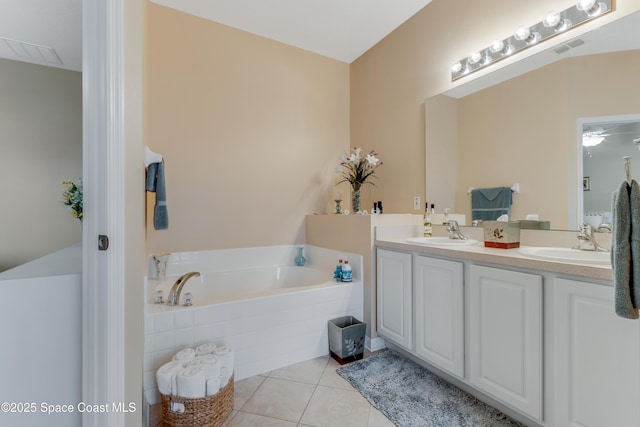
552 24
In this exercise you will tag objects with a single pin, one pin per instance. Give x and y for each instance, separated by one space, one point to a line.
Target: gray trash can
346 339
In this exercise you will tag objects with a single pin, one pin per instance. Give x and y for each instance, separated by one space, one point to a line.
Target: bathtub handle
187 299
159 297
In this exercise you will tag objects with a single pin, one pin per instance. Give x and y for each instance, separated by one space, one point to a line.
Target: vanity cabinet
394 299
439 313
596 357
505 336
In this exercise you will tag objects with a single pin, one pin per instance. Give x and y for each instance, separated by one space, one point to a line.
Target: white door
597 358
505 331
394 297
439 313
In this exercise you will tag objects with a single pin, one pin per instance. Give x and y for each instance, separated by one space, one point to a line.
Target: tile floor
306 394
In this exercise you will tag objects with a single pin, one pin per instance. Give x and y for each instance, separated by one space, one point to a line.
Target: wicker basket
210 411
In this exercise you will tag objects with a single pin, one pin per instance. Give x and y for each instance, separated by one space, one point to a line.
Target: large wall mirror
529 130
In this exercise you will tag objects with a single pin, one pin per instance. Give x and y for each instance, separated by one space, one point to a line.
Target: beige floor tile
244 419
377 419
243 390
229 418
309 371
330 377
281 399
330 407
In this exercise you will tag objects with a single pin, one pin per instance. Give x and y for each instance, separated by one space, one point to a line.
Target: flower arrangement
72 196
355 170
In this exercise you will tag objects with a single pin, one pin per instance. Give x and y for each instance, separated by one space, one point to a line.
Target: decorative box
500 234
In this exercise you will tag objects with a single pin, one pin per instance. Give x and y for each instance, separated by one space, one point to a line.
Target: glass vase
300 259
355 200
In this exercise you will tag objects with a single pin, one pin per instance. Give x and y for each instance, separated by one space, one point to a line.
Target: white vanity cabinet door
394 297
505 336
597 358
439 313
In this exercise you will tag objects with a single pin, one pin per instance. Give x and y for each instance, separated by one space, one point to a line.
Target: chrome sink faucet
176 289
587 240
454 231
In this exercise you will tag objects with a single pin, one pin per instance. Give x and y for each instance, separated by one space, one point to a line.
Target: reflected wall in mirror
524 130
606 141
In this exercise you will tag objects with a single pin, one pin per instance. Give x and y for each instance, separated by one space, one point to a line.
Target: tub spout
176 289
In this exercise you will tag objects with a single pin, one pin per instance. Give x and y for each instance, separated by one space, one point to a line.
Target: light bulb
585 4
456 68
555 21
475 57
496 46
522 33
551 20
592 8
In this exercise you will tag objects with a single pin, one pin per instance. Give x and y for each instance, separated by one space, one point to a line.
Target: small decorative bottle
428 229
346 272
338 273
300 259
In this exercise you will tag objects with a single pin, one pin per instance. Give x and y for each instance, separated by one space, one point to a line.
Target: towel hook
627 168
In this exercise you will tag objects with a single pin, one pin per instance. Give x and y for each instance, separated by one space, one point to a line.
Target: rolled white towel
207 348
166 377
213 386
225 375
185 356
191 383
209 363
225 357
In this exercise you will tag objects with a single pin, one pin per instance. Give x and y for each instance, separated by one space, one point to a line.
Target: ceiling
49 32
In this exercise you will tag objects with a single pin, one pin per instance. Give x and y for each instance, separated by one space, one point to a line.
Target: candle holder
338 206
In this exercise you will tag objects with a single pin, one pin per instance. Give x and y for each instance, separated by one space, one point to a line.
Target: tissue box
500 234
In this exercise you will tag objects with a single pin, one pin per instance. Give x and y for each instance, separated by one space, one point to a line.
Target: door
439 313
394 297
505 329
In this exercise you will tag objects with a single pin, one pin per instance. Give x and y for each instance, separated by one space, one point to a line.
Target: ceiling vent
565 47
33 52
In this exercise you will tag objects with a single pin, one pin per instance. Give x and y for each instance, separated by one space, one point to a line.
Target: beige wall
250 129
390 82
135 248
41 144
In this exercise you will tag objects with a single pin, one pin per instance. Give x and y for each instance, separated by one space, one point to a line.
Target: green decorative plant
72 197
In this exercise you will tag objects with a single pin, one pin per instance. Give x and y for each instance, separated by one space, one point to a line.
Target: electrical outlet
416 203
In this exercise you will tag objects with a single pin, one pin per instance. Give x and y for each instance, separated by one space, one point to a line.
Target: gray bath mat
411 396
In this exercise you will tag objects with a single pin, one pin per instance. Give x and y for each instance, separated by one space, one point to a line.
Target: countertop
506 257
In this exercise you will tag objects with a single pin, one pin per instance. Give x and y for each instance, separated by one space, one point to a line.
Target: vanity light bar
553 23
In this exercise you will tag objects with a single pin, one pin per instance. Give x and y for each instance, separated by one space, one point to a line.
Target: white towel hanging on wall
151 157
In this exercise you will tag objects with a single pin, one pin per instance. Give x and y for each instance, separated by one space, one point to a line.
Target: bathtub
271 312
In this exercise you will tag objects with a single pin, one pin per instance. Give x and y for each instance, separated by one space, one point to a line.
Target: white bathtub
214 287
255 300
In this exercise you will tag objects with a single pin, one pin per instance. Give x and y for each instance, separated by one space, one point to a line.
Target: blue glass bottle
300 259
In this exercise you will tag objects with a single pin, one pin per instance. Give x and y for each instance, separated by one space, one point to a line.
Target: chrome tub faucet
176 289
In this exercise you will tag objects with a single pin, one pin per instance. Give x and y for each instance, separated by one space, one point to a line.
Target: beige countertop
506 257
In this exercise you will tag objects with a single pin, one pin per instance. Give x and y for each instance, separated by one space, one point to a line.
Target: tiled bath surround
266 332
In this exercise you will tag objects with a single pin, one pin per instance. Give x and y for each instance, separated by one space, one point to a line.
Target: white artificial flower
357 150
373 160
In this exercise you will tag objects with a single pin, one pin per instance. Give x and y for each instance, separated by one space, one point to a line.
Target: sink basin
567 255
441 241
